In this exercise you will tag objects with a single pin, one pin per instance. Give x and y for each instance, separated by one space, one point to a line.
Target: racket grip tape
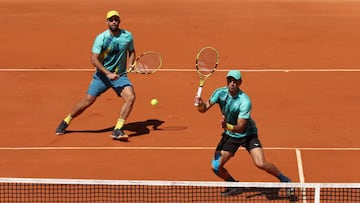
198 94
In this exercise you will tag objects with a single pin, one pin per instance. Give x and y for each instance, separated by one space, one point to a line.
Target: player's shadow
271 194
136 128
142 128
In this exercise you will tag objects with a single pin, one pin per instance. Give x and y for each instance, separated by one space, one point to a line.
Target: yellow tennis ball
154 102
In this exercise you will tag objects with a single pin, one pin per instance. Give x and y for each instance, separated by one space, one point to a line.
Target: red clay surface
315 112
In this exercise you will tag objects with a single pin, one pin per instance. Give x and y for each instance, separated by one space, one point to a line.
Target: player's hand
223 122
131 67
197 100
112 76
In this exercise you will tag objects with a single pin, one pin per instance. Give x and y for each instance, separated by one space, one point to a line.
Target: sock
120 123
68 119
283 178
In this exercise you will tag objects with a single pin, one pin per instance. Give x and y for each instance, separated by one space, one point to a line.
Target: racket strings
207 61
148 63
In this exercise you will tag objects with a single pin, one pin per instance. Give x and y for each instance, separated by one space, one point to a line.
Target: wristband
229 127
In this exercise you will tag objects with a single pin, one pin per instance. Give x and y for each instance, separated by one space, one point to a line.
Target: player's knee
215 166
132 98
85 103
260 164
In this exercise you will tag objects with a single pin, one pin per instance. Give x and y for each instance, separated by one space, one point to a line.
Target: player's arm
242 120
95 61
239 127
131 54
203 106
132 57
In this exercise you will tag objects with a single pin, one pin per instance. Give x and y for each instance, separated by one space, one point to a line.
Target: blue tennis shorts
100 83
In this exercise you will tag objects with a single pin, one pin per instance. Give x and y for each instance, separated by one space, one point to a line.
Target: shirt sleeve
214 98
245 108
97 46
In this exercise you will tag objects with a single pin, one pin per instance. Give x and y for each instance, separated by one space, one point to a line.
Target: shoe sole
121 138
59 133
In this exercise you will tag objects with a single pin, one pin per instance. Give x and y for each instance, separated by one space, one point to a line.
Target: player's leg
257 154
125 90
96 88
254 147
220 158
225 150
128 94
258 158
79 107
82 105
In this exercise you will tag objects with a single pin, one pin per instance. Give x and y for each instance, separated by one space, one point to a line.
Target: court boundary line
300 166
184 70
173 148
301 171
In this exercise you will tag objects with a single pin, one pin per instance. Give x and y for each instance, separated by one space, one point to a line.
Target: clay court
300 67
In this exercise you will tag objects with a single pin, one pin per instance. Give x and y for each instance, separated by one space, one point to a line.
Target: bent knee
88 100
216 166
128 94
260 164
131 98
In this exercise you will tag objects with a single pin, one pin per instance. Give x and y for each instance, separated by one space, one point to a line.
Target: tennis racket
146 63
207 60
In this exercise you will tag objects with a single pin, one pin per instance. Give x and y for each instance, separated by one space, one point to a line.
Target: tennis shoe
62 128
118 134
232 191
290 191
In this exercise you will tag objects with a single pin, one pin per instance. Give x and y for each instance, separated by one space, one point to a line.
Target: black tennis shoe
62 128
118 134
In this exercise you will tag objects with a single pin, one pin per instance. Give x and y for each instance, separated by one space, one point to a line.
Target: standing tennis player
239 130
109 55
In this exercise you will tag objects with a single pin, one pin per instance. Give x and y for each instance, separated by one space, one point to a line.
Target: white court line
301 172
168 148
183 70
300 166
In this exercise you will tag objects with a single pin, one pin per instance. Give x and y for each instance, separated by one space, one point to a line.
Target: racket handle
198 94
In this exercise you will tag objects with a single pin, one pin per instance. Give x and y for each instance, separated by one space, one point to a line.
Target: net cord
316 196
178 183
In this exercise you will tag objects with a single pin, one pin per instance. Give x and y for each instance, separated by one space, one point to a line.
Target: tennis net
84 190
